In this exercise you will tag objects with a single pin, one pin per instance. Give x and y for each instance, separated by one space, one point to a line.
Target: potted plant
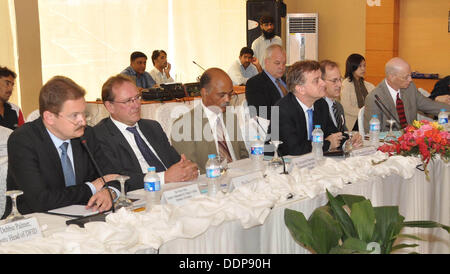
349 224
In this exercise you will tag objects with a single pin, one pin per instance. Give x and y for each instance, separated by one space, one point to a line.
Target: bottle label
443 120
374 127
317 139
152 186
257 150
213 172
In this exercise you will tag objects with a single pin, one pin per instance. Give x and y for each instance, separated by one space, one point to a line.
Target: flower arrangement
423 138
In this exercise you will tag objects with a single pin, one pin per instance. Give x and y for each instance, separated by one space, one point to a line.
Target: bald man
399 94
211 127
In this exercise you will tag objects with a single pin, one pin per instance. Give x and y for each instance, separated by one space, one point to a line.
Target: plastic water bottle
374 131
152 187
212 174
257 153
443 117
317 143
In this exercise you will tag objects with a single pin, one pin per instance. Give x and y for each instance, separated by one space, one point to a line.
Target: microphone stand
278 151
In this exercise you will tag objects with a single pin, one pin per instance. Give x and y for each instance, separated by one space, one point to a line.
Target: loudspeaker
258 8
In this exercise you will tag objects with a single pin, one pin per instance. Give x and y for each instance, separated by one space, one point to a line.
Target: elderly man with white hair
400 96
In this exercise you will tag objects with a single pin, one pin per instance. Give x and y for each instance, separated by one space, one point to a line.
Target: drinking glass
123 201
276 161
390 136
15 214
348 147
223 163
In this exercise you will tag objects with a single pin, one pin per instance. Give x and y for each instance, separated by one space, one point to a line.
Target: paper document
73 210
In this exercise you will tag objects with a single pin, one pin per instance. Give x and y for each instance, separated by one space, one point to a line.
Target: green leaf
409 236
363 217
342 217
356 245
325 229
299 228
426 224
349 200
400 246
388 224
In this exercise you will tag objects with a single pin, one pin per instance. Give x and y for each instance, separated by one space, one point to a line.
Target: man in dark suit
46 159
303 108
266 88
132 144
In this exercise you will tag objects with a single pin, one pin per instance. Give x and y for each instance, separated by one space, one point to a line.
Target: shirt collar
211 115
56 141
121 126
304 107
329 101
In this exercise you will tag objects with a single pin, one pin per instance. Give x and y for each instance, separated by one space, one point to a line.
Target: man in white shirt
161 68
266 39
246 67
132 144
211 127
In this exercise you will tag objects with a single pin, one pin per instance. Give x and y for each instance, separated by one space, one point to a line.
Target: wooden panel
381 36
426 84
387 13
376 60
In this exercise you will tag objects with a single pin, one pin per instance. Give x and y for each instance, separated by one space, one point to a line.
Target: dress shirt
160 77
260 44
305 110
393 93
129 136
143 80
212 119
330 109
274 81
239 75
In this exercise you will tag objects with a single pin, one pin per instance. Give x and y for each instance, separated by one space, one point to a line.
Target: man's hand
101 201
335 140
443 99
98 183
182 171
257 64
357 140
166 70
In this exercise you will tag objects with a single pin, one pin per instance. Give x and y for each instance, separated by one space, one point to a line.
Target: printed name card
20 230
363 151
179 196
303 161
247 178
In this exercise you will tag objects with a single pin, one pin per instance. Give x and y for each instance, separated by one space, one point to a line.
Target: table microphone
198 65
390 115
100 173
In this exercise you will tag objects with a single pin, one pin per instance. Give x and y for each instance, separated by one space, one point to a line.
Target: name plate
20 230
363 151
247 178
179 196
303 161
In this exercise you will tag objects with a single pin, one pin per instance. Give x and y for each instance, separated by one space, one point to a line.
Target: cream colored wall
424 40
341 26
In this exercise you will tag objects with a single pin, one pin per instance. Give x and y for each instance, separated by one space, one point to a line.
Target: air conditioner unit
302 37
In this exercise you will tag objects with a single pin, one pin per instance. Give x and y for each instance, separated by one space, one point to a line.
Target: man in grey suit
401 97
210 127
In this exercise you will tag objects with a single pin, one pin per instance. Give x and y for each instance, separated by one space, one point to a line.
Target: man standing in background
266 39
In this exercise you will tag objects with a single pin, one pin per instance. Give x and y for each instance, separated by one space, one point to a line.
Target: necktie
401 111
310 123
280 85
69 175
222 144
148 154
338 117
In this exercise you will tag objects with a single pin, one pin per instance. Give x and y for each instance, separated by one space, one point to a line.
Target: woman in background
354 89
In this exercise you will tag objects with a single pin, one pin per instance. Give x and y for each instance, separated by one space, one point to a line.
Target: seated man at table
441 91
246 67
46 157
132 144
211 127
138 63
10 114
400 96
161 68
303 108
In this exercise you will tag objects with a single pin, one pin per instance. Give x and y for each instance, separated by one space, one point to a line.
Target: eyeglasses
335 81
76 117
405 77
130 101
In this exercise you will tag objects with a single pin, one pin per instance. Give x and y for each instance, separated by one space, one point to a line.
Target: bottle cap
152 168
443 110
211 156
317 126
375 115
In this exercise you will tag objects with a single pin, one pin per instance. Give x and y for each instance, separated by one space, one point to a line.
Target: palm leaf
342 217
363 217
426 224
325 229
299 228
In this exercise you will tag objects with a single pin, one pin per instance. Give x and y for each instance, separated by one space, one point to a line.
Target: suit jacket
293 129
194 143
442 87
261 91
120 155
340 112
34 166
413 101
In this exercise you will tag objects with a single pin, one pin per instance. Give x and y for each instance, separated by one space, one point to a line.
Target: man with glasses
211 127
10 114
400 96
47 160
161 68
133 144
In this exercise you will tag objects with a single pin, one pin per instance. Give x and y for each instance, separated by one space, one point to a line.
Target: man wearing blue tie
46 159
301 109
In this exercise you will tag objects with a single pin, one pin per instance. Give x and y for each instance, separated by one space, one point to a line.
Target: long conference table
250 219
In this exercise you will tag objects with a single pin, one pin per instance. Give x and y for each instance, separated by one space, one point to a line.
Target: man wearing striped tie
400 96
210 127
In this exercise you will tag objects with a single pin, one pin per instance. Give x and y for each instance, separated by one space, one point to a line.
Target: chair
33 116
167 113
361 121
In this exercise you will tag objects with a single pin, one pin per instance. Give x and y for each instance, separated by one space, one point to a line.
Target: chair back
361 121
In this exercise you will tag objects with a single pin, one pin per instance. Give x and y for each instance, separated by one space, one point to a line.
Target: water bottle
317 143
374 131
152 187
443 117
212 174
257 153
